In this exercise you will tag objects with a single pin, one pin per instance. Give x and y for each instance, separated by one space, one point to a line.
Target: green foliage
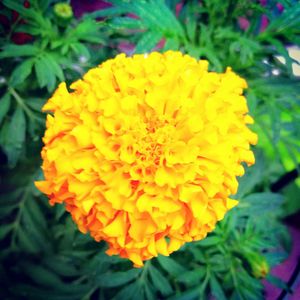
43 255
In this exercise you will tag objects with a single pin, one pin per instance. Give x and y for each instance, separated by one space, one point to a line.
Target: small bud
63 11
258 263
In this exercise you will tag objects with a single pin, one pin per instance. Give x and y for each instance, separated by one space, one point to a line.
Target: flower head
145 151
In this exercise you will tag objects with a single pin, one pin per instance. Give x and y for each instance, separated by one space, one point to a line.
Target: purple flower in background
263 2
80 7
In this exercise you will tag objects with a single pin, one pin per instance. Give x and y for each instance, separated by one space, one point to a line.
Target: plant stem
22 103
16 223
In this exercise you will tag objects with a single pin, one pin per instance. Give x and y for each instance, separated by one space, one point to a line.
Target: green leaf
41 275
15 136
260 203
109 280
35 103
129 292
108 12
160 282
149 291
126 23
87 30
216 288
4 230
81 50
36 213
25 242
278 282
170 265
289 20
55 67
45 73
12 4
191 24
210 241
4 106
16 51
21 72
171 44
193 277
166 16
61 265
148 41
197 253
193 294
68 292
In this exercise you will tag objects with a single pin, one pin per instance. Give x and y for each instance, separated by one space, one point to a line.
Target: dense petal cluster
145 150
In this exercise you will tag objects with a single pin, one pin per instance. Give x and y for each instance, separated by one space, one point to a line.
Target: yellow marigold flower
145 151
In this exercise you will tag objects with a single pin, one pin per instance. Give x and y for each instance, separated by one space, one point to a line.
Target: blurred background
254 252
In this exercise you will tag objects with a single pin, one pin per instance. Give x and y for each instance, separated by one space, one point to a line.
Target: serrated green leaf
4 230
72 292
15 136
4 106
210 241
191 26
108 12
193 277
192 294
129 292
148 41
56 68
166 16
87 30
17 51
171 44
160 282
81 50
35 103
149 291
288 20
41 71
216 288
109 280
25 242
126 23
170 265
6 210
197 253
41 275
278 282
21 72
45 73
260 203
36 213
61 265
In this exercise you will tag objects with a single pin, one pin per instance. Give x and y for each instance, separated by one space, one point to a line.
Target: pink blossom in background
264 23
178 8
160 44
133 16
243 23
126 47
280 7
